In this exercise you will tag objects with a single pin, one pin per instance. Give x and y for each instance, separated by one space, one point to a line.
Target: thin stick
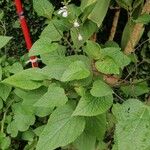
114 25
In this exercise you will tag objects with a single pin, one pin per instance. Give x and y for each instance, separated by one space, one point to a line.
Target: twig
137 30
114 25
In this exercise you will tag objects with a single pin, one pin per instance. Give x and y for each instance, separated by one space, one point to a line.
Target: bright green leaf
43 8
107 66
4 91
92 106
62 129
28 79
4 40
99 12
23 116
133 125
42 46
55 96
76 71
100 89
93 50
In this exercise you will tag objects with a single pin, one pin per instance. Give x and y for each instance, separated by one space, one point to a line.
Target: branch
136 34
114 25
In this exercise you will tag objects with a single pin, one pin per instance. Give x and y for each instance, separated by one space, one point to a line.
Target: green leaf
99 12
1 14
43 46
127 33
85 142
92 106
1 103
52 31
31 97
76 71
62 129
107 66
133 125
96 126
126 4
119 57
93 50
28 135
136 89
4 141
1 73
15 68
86 3
4 40
43 8
12 129
100 89
4 91
23 116
144 19
28 79
86 31
55 96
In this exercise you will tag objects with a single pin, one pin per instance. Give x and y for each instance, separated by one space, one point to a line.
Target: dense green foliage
87 94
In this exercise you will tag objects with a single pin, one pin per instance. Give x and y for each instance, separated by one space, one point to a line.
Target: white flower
80 38
65 14
76 24
63 11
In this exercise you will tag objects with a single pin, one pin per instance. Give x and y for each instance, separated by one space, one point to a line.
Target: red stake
25 30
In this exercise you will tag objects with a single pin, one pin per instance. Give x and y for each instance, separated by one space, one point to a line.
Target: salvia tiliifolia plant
86 94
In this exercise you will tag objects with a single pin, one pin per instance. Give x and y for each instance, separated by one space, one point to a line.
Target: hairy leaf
133 125
62 129
93 106
100 89
55 96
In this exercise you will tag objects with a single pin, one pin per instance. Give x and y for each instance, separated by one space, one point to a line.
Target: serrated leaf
93 106
100 89
43 46
107 66
55 96
93 50
28 79
4 91
99 12
62 129
23 116
76 71
4 40
133 125
43 8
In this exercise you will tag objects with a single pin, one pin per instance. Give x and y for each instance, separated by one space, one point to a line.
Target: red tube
25 30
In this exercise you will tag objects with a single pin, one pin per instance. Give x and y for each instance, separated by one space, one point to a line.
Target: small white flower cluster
63 11
77 25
